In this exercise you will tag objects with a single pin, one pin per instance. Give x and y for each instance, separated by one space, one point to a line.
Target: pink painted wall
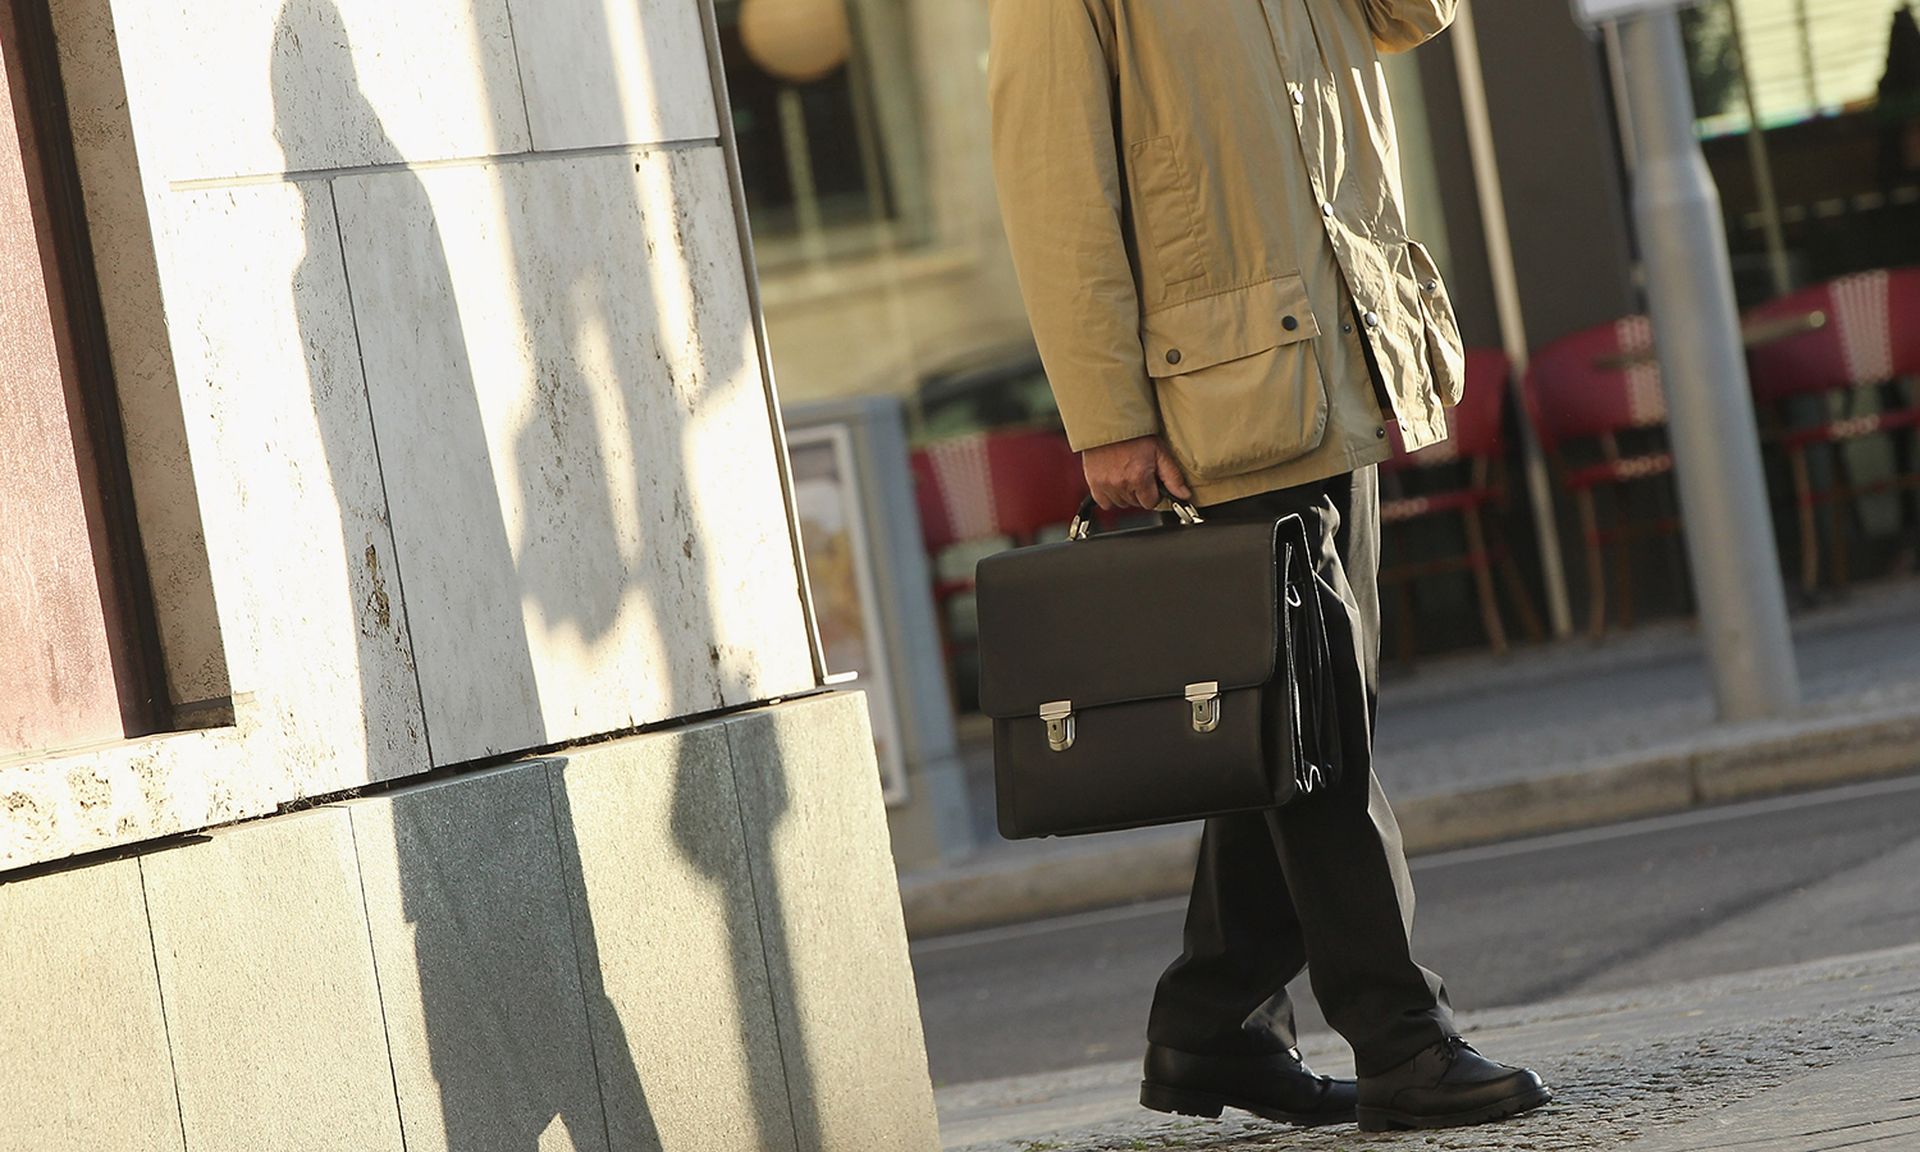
56 677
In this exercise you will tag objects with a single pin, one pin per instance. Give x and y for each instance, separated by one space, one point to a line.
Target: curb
1728 764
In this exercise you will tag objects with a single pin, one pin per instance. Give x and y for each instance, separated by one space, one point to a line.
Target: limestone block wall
682 942
460 445
454 454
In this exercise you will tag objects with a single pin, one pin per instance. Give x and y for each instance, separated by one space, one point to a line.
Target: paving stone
677 996
1772 1061
478 978
83 1047
1867 1103
830 914
268 985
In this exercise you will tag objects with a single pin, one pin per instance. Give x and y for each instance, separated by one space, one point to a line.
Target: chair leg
1842 510
1516 586
1893 398
1406 640
1596 570
1907 462
1623 579
1623 561
1674 542
1843 507
1809 529
1483 582
944 626
1523 600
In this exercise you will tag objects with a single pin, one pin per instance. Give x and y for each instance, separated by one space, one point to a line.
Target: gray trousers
1321 884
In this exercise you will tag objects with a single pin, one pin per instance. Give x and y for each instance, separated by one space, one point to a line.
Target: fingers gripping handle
1083 520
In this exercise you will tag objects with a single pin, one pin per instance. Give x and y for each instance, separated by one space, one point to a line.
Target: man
1203 200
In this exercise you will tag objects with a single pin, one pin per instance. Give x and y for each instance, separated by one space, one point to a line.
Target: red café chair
1584 392
1001 484
1474 438
1838 338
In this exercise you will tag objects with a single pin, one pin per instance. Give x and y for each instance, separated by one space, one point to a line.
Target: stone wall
450 434
457 465
684 942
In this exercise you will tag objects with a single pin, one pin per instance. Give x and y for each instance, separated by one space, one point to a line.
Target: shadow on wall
491 985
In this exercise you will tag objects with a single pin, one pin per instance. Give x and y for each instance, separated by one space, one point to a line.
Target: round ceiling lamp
796 40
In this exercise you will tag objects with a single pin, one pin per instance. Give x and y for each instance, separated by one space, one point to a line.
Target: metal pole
1716 441
1802 18
1762 164
1617 78
1506 297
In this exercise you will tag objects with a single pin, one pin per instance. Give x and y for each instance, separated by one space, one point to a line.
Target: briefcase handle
1083 520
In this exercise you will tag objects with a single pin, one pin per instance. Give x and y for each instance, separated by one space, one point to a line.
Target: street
1708 892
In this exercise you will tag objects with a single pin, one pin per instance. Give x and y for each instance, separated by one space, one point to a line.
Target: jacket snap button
1431 285
1289 323
1173 355
1372 319
1379 433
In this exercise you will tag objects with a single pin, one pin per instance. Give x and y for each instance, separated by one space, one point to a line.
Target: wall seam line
309 175
551 771
380 471
760 929
379 986
160 991
520 77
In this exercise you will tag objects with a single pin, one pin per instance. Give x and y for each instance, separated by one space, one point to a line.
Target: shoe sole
1387 1120
1186 1102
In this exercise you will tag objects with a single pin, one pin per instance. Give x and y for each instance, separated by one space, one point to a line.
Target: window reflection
823 107
1835 88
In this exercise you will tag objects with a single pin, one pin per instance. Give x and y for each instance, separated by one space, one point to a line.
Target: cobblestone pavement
1813 1057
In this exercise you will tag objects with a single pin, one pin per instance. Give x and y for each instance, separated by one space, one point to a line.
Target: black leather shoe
1447 1086
1277 1087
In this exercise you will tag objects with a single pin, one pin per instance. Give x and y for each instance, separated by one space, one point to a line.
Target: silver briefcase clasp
1059 717
1204 698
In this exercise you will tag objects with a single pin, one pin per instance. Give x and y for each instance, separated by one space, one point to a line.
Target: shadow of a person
634 282
491 981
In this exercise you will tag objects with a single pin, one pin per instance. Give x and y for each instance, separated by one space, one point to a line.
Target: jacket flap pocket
1197 334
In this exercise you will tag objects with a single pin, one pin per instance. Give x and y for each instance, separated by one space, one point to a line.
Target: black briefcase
1155 675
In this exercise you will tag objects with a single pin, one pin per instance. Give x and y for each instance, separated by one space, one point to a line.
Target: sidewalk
1812 1057
1473 749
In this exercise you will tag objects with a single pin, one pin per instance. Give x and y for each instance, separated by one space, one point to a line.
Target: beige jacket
1204 203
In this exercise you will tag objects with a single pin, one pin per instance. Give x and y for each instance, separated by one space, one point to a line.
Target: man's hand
1130 473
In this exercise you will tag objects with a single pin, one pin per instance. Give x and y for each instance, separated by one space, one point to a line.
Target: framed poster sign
840 568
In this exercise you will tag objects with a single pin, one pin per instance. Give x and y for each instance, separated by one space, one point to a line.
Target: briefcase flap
1126 616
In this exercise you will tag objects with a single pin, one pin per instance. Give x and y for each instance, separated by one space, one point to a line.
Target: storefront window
1835 96
823 107
1807 58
